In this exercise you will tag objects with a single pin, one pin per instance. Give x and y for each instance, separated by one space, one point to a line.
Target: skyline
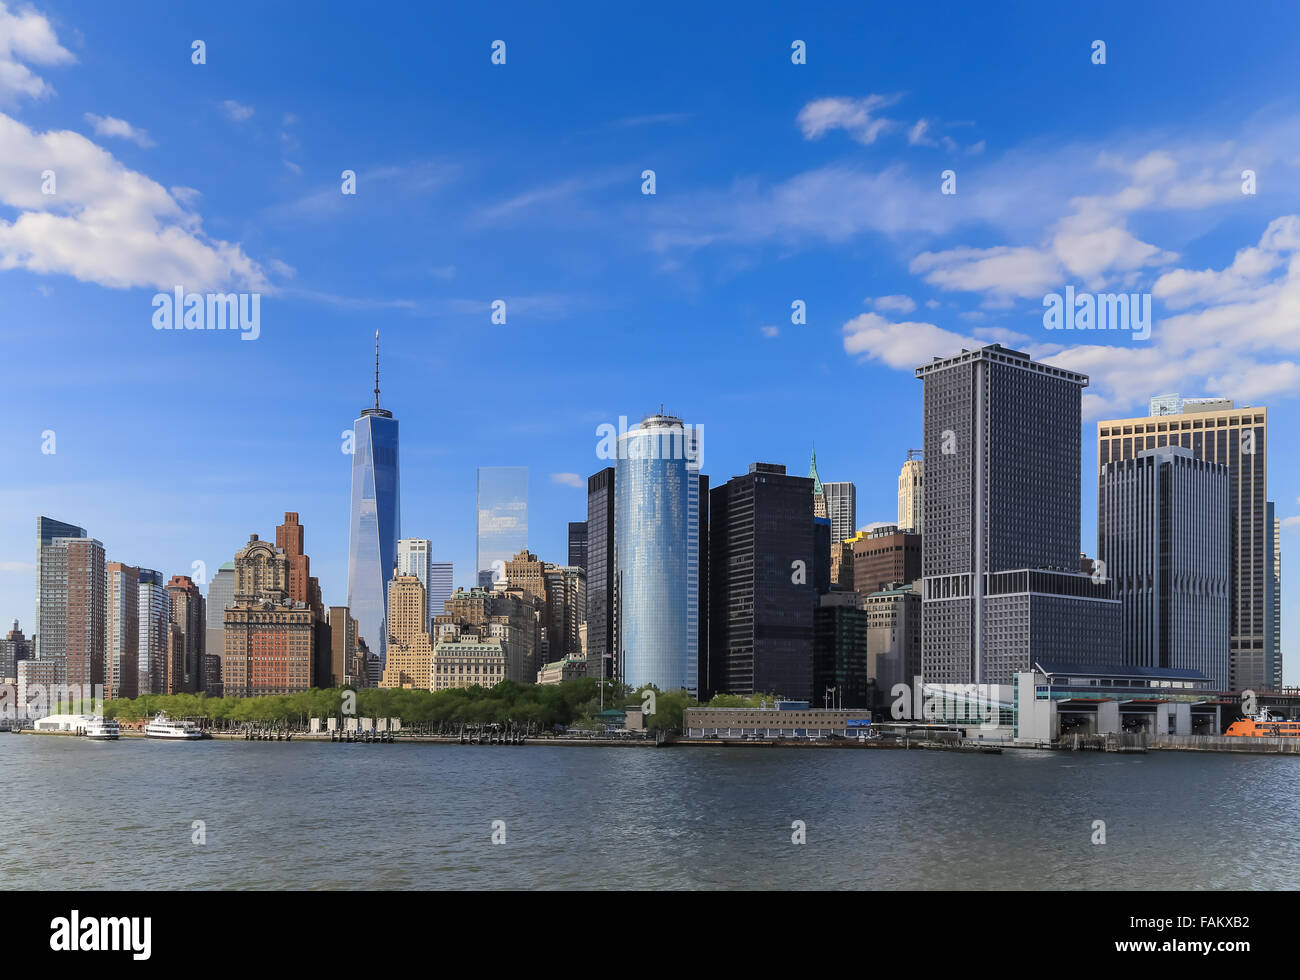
524 185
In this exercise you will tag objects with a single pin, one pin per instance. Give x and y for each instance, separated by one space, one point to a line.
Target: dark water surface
77 814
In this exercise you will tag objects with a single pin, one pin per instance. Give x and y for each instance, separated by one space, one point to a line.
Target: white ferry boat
102 729
164 727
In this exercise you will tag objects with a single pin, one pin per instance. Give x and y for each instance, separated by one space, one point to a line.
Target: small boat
164 727
102 729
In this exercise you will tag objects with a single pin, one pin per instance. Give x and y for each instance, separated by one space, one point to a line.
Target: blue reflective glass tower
657 554
375 521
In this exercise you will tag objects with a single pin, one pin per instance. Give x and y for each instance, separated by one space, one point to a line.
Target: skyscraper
657 524
502 505
47 529
911 493
415 557
122 631
375 523
1216 430
762 590
601 610
1000 553
272 641
1277 598
578 544
440 586
189 613
1163 536
221 595
819 494
155 632
73 608
842 509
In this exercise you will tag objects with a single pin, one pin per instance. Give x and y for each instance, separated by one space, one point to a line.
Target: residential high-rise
601 609
762 590
659 511
502 506
566 609
189 614
440 586
375 521
1163 538
221 595
842 509
73 606
911 493
345 667
155 632
1000 552
122 631
1218 431
47 529
578 544
14 649
883 554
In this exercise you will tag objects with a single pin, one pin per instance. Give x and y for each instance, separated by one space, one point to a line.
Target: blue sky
775 182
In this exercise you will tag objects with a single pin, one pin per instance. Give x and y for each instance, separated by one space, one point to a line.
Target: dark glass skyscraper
1000 552
601 621
375 522
763 587
578 544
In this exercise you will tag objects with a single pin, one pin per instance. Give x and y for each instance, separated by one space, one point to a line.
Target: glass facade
375 524
502 518
657 554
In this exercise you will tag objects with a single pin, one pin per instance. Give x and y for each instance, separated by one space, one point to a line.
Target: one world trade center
375 520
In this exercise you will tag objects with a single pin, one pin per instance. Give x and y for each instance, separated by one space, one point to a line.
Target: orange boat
1264 726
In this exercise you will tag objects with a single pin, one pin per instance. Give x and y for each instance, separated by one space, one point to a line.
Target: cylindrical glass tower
656 533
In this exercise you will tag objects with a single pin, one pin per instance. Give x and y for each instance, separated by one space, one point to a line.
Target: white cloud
903 346
26 36
1002 271
236 112
855 116
568 479
770 331
119 128
893 304
106 224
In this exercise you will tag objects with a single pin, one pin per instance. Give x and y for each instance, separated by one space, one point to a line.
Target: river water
77 815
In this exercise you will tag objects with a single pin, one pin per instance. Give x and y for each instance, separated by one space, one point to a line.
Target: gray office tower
47 529
1163 531
1000 556
578 544
221 594
1237 436
842 509
602 621
762 591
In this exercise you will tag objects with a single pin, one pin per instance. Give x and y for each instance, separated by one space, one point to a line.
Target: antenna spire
376 369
